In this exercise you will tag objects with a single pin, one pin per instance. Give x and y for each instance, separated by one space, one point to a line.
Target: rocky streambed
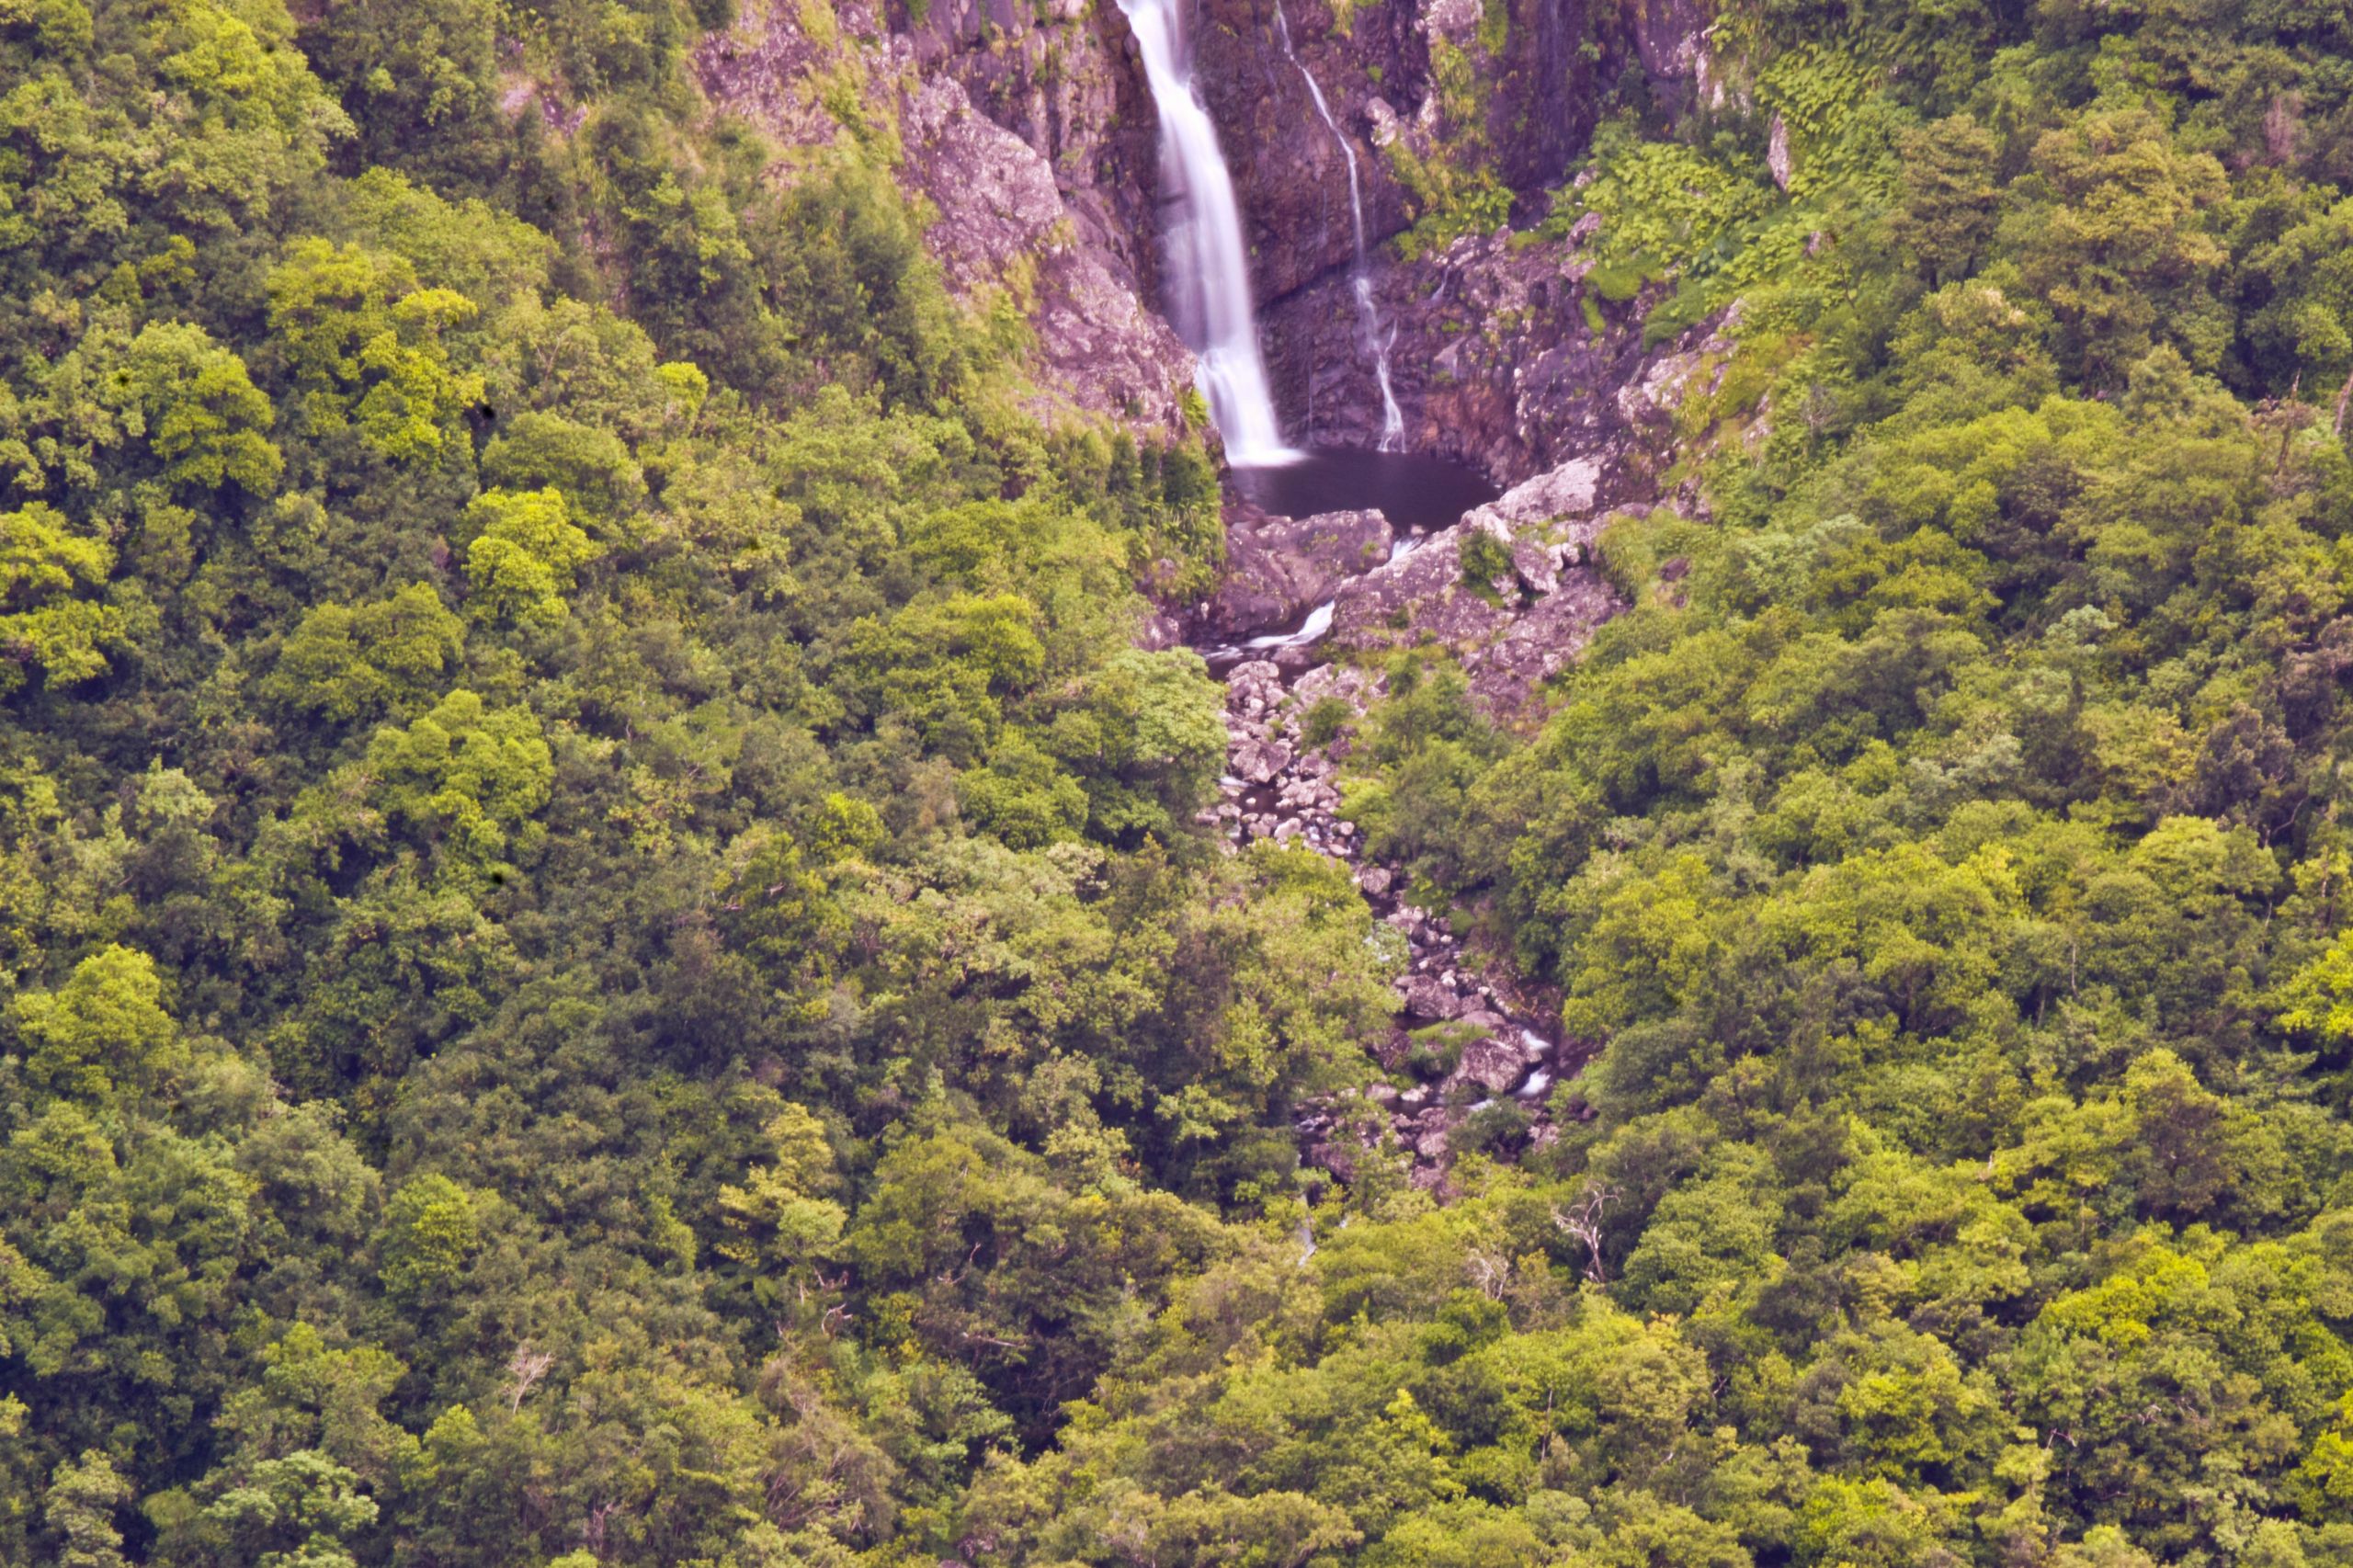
1470 1048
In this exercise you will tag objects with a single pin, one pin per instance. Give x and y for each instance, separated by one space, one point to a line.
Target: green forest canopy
602 959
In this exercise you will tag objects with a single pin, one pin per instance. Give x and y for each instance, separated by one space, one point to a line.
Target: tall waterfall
1210 299
1377 338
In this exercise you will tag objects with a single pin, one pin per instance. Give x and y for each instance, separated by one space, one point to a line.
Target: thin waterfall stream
1377 339
1211 302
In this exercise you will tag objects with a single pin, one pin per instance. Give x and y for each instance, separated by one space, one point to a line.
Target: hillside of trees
604 957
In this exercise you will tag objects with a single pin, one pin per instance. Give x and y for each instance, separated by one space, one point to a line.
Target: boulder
1491 1065
1425 997
1279 569
1259 761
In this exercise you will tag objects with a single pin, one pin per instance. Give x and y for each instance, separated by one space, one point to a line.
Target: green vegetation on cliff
602 959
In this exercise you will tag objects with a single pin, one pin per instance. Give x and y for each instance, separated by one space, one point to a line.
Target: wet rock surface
1507 357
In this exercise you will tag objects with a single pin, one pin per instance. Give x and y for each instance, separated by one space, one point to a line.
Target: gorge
1421 441
1461 1024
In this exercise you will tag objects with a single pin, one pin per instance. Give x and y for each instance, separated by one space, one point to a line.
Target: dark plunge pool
1418 493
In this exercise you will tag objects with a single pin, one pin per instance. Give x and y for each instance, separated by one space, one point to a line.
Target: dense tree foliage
602 959
1946 844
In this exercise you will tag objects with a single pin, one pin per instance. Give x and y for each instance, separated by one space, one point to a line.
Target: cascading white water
1376 337
1210 301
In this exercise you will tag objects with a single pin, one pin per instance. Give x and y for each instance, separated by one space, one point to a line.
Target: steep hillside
635 932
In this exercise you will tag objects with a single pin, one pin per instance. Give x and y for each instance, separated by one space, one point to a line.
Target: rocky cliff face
1027 126
1063 77
1493 348
1506 84
1004 221
1505 357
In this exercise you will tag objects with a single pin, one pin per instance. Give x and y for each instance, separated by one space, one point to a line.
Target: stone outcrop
1099 348
1278 569
1506 357
1511 590
1670 41
1511 628
1064 79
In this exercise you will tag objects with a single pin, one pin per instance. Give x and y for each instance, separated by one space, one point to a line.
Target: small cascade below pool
1211 302
1378 337
1420 496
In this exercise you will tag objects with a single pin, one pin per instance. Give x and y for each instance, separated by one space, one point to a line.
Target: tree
430 1229
102 1034
50 627
204 416
523 555
592 469
1148 737
1950 199
784 1217
419 82
2116 241
366 345
83 1496
348 663
467 774
2299 283
292 1512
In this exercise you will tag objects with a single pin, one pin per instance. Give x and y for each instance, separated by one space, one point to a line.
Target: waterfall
1376 339
1209 298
